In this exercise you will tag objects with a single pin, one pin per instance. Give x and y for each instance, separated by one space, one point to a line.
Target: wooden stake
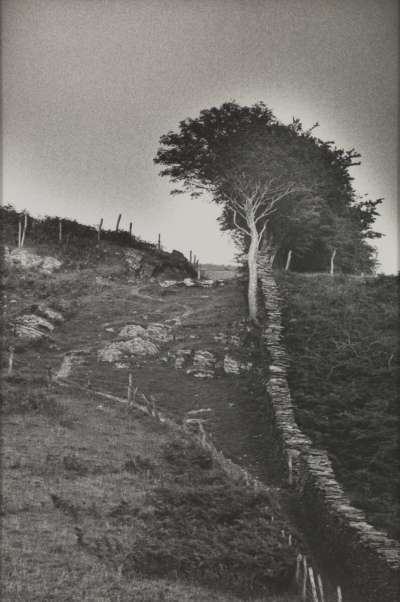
312 581
198 272
320 587
298 566
290 469
290 539
130 387
60 231
190 257
118 221
130 229
19 233
305 574
10 361
99 229
159 242
339 594
24 231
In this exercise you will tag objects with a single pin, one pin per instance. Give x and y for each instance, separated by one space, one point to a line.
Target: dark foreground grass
342 337
103 503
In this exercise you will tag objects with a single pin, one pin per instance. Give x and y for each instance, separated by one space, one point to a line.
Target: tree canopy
278 184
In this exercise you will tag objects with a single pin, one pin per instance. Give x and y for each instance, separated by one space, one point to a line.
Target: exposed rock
207 283
50 264
136 347
159 333
183 358
203 364
168 283
48 312
33 327
235 366
189 282
132 330
71 360
133 259
27 260
23 258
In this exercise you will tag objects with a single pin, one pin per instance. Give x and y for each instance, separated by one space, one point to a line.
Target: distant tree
256 168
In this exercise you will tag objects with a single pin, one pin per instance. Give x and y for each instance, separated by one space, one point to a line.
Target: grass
342 337
103 503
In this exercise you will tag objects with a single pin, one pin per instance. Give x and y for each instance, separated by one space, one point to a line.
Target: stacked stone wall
368 557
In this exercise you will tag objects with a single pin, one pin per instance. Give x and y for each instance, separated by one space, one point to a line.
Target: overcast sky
89 86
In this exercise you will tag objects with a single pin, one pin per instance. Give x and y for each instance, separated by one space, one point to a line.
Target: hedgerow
342 338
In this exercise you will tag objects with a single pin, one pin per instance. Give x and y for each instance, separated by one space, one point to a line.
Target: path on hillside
235 418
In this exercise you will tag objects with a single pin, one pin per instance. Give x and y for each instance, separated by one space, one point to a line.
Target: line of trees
282 190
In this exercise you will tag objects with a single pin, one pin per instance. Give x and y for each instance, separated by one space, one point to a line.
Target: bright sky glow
90 86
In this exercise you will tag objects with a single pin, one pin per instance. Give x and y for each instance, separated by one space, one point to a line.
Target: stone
136 347
168 283
189 282
23 258
183 358
235 366
49 313
131 330
133 259
203 364
159 333
50 264
33 327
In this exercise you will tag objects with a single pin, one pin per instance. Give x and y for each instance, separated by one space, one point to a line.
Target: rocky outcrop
38 324
369 558
25 259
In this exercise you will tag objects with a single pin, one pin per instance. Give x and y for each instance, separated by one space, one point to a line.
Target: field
103 503
342 337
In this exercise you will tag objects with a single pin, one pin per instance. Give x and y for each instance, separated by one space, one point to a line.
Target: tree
250 163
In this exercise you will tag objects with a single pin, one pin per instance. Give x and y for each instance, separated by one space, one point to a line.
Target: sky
89 86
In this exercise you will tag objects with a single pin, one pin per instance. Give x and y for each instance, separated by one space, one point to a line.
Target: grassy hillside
342 337
102 503
79 247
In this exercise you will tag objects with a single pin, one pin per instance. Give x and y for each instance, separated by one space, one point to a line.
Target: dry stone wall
369 558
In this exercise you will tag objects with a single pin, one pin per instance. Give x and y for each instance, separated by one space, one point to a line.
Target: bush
341 335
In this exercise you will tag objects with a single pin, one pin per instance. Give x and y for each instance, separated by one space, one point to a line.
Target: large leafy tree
258 169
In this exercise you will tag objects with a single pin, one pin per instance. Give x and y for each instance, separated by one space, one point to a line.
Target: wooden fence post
299 559
10 361
60 231
130 229
290 468
190 256
99 229
313 587
339 594
198 271
305 575
130 387
320 587
159 242
24 230
19 234
118 222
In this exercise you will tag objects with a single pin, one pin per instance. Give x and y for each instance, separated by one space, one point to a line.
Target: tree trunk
288 260
253 273
333 255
